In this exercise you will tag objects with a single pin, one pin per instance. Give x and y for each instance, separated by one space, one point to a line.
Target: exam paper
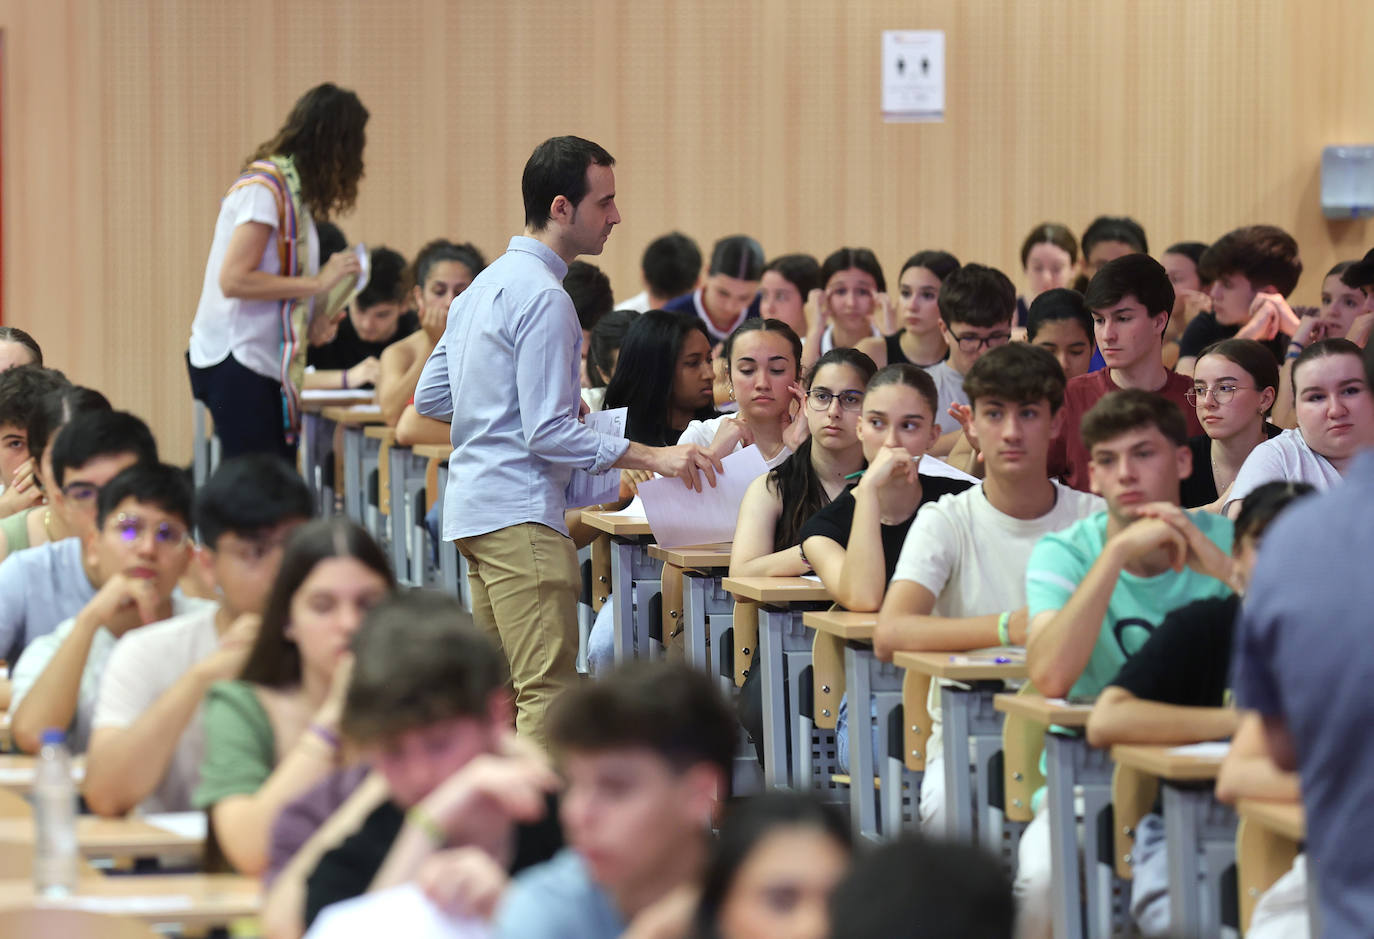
1211 750
188 825
934 466
399 911
338 395
145 905
634 510
679 516
584 488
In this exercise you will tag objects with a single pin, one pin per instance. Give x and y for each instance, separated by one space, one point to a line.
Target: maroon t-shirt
1068 456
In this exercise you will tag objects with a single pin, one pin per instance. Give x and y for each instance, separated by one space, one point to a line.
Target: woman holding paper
258 303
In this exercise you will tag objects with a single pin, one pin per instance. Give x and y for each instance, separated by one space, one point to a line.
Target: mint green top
16 530
240 748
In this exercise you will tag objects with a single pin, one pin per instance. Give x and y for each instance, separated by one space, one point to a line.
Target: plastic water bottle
55 856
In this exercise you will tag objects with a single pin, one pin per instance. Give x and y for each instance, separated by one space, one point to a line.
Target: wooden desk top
1285 818
194 900
842 624
111 837
358 414
965 666
621 526
432 451
380 432
1042 710
17 769
777 590
1167 765
694 557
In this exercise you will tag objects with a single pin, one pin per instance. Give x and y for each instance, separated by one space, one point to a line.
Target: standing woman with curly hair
263 295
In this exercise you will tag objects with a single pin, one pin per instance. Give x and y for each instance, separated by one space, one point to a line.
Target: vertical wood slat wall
124 121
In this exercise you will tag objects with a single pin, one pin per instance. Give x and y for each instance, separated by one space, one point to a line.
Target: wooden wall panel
126 119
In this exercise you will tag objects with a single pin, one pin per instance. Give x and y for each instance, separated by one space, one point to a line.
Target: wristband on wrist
1003 638
426 823
326 736
344 373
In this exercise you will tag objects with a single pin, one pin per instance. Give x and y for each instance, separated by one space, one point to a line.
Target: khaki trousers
525 581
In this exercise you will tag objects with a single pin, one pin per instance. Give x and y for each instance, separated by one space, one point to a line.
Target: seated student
1192 292
960 580
44 585
603 349
1049 258
768 531
763 357
21 393
442 271
430 708
140 549
1174 690
590 290
923 888
1234 383
851 284
977 304
41 524
1097 590
376 319
671 266
732 284
18 348
1106 239
1130 299
647 755
785 288
1360 275
147 741
274 731
1341 306
772 870
1059 320
664 376
1250 268
920 341
1335 412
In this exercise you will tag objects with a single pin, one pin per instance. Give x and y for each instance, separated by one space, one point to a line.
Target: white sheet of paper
913 75
584 488
171 903
934 466
1211 750
368 408
680 516
634 510
188 825
364 267
815 577
399 911
340 395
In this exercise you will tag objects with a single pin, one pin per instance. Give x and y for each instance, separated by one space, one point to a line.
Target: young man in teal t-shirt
1097 590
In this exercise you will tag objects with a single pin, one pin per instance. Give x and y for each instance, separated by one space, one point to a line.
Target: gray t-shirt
39 588
557 900
949 384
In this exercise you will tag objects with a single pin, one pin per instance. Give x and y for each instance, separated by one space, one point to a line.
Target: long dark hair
275 661
325 134
748 824
795 480
644 375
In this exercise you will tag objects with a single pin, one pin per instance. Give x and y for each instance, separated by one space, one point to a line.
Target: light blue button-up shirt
507 373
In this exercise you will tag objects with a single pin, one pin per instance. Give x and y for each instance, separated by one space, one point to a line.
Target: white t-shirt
949 384
973 558
702 433
1285 458
143 665
639 303
41 651
249 329
828 337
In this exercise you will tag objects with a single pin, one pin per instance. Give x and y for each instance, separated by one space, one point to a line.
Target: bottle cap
53 735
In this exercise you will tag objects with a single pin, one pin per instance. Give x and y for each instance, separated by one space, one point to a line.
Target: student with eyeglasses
139 549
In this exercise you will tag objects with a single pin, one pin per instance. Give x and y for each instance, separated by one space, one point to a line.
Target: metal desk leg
773 625
1064 865
717 625
631 565
369 458
865 676
398 461
1197 830
450 581
955 704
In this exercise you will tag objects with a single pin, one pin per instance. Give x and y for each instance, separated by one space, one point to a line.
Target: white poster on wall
913 75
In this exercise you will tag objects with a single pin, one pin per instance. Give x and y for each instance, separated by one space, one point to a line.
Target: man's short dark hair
161 485
418 660
100 433
59 406
558 167
590 290
977 295
802 271
922 888
1134 275
1121 412
1055 304
737 256
22 390
671 265
1017 373
1265 255
670 709
250 494
1115 228
1361 272
386 279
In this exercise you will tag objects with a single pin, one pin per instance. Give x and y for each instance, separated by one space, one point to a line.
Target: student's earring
732 392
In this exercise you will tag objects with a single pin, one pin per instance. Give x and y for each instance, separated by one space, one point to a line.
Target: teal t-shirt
1138 605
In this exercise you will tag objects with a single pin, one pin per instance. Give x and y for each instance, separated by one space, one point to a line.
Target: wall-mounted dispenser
1348 181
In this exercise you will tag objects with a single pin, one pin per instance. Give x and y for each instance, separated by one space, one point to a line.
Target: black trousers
247 409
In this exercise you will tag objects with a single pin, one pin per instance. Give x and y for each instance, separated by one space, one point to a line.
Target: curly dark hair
325 134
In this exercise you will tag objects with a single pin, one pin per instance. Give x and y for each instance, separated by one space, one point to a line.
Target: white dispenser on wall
1348 181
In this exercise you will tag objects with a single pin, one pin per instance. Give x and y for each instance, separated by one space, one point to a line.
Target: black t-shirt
1205 330
347 350
836 519
1187 660
349 869
1201 487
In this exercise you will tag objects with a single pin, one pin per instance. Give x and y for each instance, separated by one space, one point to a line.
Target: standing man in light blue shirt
506 376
